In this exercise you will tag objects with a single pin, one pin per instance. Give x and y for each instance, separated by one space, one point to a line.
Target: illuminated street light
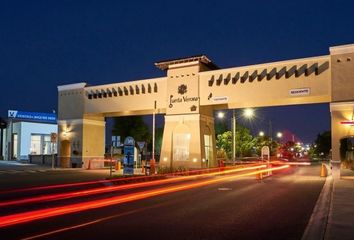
261 133
248 113
279 135
221 115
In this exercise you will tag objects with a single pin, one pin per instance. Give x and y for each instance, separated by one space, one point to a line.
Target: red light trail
60 196
56 186
73 208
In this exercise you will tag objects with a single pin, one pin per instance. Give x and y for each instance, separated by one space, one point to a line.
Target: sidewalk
341 215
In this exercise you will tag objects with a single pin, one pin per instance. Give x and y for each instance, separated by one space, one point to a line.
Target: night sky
44 44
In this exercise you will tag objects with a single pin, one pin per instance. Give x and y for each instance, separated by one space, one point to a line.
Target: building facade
28 136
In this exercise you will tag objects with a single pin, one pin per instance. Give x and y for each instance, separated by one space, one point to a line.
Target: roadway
277 207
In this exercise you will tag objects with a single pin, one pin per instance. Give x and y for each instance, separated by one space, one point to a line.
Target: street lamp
221 115
261 133
247 113
279 135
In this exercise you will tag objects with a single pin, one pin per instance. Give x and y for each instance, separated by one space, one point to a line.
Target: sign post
114 143
53 140
265 151
141 146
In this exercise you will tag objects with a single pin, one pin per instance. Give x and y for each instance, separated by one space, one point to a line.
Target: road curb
316 227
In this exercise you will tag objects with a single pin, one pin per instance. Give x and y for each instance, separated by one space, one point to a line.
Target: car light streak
293 163
73 208
66 185
60 196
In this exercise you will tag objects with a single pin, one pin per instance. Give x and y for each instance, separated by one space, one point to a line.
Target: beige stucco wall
197 126
342 106
186 75
256 92
136 98
342 62
84 133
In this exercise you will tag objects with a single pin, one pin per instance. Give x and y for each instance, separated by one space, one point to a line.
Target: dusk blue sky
44 44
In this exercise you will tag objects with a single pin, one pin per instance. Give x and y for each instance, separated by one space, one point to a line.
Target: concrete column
194 127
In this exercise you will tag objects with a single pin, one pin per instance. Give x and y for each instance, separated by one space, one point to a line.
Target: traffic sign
141 145
115 141
53 137
129 141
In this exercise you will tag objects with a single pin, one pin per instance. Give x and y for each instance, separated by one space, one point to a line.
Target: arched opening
347 152
180 143
65 149
208 148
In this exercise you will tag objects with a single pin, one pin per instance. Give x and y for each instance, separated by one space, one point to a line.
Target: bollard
142 166
89 165
323 170
152 166
118 166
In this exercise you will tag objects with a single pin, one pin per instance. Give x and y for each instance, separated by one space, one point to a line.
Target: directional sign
115 141
265 150
129 141
141 145
53 137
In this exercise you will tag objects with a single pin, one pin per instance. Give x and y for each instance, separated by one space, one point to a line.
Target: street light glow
248 113
279 135
261 133
221 115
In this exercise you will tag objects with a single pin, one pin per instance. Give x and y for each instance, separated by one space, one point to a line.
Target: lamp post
247 113
233 136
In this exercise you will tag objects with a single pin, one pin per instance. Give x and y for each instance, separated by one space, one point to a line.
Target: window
208 149
35 144
46 144
14 147
40 144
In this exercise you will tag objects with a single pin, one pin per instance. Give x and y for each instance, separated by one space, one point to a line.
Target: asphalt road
277 207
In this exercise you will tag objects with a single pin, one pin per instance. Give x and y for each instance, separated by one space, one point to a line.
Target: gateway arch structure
192 88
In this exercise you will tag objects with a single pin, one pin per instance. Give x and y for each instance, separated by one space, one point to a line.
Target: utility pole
270 136
153 131
233 126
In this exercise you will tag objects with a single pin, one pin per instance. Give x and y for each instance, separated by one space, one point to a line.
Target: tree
244 142
322 145
158 140
133 126
223 144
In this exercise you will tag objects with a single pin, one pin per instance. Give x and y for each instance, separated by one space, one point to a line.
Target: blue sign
128 156
33 116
